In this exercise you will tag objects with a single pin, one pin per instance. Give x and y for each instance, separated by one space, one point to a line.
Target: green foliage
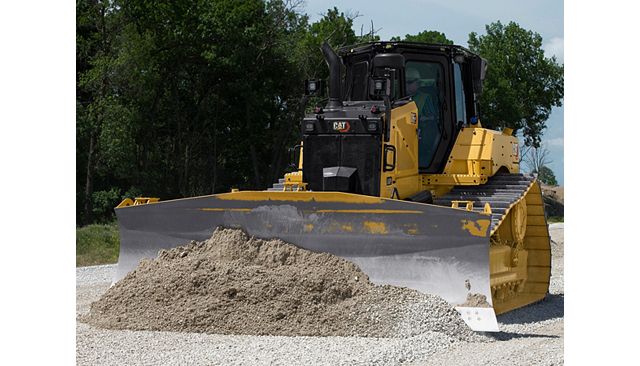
554 219
425 37
521 85
104 202
337 29
97 244
190 98
546 176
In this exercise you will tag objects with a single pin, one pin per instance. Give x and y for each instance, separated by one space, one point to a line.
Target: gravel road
530 336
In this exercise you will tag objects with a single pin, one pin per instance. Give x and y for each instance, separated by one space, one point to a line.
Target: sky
456 19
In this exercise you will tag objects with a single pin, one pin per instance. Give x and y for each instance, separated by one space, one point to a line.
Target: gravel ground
533 335
530 336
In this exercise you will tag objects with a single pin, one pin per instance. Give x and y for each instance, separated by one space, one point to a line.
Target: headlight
308 127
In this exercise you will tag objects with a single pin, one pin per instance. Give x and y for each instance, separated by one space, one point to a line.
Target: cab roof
402 46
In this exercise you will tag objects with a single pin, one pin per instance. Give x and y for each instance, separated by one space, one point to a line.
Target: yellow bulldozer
395 173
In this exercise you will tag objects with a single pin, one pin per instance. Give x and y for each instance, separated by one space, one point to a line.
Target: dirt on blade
476 300
236 284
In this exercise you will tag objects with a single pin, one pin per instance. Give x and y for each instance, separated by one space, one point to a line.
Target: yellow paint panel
522 300
125 203
534 198
540 258
499 258
405 178
477 227
474 152
501 278
539 274
537 230
536 210
536 220
374 227
299 196
536 288
536 242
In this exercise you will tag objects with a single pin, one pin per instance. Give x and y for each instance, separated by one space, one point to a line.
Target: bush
97 244
546 176
104 203
554 219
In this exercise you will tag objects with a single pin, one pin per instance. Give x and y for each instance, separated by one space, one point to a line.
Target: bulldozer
395 173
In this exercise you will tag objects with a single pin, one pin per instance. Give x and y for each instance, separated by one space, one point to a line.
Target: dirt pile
236 284
553 197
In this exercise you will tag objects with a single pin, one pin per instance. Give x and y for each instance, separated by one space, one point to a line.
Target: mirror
294 158
478 72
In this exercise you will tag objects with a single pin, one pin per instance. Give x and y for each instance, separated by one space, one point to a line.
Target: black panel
319 151
362 152
340 179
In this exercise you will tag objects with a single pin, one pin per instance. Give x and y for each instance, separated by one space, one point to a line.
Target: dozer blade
432 249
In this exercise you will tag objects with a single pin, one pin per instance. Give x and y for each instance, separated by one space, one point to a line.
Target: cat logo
341 126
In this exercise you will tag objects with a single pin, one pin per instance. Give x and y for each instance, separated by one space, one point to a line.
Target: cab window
425 84
359 81
461 110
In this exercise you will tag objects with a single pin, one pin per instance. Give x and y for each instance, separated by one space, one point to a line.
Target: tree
336 28
97 24
178 99
546 176
537 160
536 157
425 37
370 36
521 85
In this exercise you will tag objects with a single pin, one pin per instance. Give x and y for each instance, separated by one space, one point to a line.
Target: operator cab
439 78
343 143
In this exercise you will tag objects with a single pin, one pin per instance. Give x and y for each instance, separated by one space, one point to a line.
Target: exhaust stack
335 99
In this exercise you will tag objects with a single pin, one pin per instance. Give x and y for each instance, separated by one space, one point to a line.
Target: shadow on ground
550 308
506 336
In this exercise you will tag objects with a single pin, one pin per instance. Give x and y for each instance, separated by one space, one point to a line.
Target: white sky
456 19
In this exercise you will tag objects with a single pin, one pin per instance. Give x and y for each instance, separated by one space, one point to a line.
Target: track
501 192
520 265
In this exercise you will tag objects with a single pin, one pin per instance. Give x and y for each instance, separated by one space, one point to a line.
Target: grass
97 244
553 219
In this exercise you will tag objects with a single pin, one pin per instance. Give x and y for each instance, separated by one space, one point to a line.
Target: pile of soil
236 284
553 197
